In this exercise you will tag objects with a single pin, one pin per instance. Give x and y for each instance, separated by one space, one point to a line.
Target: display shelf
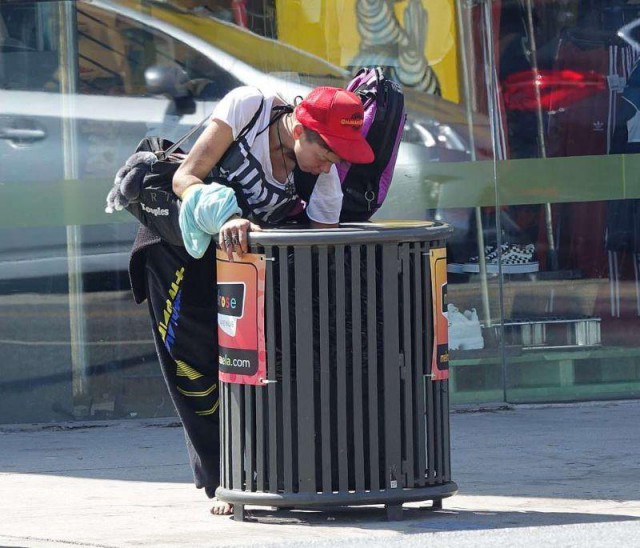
607 391
519 355
532 296
544 375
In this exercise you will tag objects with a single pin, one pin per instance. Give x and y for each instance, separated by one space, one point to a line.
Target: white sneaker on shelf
465 332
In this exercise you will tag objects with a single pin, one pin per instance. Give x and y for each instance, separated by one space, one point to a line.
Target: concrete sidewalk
561 475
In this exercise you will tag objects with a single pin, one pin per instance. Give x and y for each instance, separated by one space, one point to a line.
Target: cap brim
356 151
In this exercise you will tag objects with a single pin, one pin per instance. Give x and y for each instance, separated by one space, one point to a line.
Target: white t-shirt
249 165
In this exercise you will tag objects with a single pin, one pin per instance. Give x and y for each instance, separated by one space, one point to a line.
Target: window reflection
522 129
564 90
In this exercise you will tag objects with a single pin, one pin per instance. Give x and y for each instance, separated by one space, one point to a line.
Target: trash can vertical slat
270 326
223 406
325 370
372 354
427 382
437 404
249 436
272 432
261 413
226 434
304 371
408 304
391 353
356 353
236 436
341 372
285 349
446 440
419 350
432 464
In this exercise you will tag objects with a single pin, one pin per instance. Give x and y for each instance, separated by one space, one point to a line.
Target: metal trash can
350 410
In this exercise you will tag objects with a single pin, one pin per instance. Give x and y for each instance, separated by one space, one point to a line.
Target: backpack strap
244 131
163 155
279 111
252 122
166 153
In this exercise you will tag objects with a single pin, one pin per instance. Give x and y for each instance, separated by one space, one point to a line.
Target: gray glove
127 184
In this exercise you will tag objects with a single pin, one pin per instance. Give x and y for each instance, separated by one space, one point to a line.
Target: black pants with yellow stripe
181 292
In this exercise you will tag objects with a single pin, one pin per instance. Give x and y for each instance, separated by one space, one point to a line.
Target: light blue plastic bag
202 215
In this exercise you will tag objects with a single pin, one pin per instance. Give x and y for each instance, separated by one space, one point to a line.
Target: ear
298 129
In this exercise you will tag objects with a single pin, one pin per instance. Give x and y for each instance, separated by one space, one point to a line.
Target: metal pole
491 82
553 256
68 63
464 26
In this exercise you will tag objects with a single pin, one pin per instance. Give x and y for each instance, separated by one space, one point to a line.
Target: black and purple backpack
365 186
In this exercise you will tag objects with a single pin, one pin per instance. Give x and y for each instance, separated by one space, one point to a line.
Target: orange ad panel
241 343
440 359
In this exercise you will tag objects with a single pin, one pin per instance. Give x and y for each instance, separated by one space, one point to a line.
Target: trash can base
394 512
238 512
392 497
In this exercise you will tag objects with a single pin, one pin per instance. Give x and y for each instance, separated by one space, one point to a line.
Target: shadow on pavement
424 519
579 451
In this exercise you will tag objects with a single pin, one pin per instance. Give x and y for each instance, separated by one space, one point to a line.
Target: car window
114 52
28 55
103 64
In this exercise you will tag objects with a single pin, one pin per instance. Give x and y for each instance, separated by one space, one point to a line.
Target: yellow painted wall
327 28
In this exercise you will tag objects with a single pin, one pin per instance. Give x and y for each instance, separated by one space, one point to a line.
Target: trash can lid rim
373 232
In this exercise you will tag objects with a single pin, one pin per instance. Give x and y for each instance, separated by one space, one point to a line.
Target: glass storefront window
75 102
562 83
521 133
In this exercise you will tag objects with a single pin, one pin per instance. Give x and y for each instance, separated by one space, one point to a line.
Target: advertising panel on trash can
440 360
241 340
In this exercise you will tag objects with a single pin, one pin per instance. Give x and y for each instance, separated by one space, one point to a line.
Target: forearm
207 151
182 181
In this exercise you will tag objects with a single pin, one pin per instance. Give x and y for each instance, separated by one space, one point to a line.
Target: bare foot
220 508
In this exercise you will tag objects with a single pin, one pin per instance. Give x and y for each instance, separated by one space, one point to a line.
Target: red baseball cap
337 115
